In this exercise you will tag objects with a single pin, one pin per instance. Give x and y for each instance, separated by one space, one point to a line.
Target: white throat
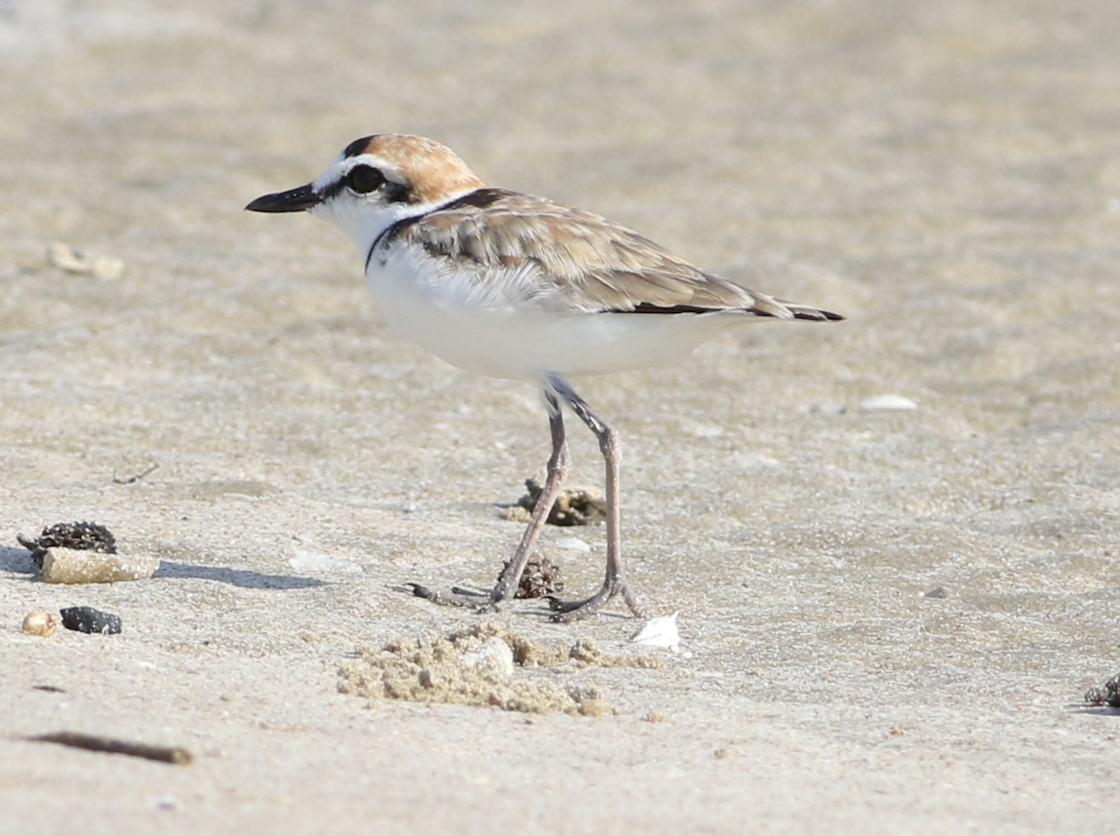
363 222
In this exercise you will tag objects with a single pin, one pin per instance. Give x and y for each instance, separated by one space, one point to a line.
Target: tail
733 299
810 313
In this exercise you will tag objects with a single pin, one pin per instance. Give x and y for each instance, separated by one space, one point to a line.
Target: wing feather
567 259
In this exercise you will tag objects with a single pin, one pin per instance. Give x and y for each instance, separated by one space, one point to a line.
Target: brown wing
579 261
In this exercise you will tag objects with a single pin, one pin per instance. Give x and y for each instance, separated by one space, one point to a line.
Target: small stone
39 623
73 566
494 657
89 620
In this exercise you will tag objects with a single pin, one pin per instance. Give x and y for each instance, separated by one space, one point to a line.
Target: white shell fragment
40 623
493 657
100 266
78 566
573 543
659 632
888 402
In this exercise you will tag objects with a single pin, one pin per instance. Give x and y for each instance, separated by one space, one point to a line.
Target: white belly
502 339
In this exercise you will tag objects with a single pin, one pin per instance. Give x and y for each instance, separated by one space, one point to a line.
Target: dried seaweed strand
97 743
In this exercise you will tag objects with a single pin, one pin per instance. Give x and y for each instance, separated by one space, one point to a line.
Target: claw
455 598
566 611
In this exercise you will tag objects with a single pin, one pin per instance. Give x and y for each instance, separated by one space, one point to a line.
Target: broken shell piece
888 402
494 657
75 566
39 623
659 632
101 266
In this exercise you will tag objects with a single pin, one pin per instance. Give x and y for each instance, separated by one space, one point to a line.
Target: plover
515 286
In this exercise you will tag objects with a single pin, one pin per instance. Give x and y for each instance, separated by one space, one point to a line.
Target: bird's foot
567 611
562 611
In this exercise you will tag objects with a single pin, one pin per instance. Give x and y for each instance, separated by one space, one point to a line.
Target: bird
514 286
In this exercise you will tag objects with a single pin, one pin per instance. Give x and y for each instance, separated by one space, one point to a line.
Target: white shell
101 266
659 632
573 543
888 402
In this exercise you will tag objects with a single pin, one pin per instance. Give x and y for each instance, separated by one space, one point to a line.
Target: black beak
293 200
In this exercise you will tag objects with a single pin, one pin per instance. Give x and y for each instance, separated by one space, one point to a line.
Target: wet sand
945 175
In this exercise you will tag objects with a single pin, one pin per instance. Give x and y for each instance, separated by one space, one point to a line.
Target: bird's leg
557 470
615 581
511 576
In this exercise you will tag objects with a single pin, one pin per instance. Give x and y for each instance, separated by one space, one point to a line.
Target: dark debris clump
541 577
89 620
1108 695
82 536
574 506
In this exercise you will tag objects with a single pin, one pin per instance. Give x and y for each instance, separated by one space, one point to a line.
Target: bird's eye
364 179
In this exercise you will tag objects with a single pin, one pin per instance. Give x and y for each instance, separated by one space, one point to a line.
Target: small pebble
39 623
493 657
939 592
89 620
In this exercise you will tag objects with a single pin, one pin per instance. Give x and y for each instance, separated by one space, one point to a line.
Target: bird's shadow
19 561
235 577
1103 710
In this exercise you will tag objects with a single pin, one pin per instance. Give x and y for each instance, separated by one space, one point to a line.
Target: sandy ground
946 174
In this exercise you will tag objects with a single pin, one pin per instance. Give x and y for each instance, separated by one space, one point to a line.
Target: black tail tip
815 315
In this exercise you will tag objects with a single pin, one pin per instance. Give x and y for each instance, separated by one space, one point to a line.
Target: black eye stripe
391 191
397 193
